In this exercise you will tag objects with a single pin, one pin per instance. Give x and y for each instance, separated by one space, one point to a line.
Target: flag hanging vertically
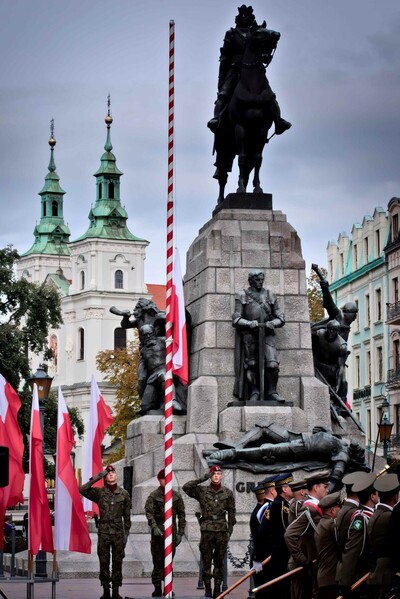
11 437
70 528
40 535
100 418
180 365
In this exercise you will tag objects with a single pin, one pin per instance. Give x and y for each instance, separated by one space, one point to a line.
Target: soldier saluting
217 505
114 525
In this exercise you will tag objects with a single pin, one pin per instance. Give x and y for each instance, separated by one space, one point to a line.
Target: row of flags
70 528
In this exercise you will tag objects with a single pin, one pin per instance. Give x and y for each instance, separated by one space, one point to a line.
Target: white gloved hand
257 566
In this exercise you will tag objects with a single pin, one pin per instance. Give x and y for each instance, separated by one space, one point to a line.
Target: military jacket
279 524
217 507
356 553
378 531
263 538
254 521
154 510
328 551
114 507
299 536
294 509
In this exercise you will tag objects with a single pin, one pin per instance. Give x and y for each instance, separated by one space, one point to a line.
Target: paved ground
89 588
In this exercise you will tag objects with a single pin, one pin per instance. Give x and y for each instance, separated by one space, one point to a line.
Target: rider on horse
231 60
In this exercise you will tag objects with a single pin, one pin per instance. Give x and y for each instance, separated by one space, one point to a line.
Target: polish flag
11 437
39 522
100 419
70 528
180 365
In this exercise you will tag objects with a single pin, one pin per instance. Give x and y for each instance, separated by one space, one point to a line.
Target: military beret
316 478
363 481
283 479
269 482
296 485
330 500
387 483
259 489
110 468
161 474
215 469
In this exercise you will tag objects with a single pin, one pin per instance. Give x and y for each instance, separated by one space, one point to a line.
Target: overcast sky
336 74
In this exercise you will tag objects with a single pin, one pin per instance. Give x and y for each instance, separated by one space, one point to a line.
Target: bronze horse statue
248 115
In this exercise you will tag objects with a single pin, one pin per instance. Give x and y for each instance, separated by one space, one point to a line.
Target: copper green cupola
108 217
51 234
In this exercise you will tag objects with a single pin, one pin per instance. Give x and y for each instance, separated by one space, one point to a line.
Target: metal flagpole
168 357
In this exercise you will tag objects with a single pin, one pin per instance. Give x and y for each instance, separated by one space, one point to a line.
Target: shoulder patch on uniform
357 524
267 513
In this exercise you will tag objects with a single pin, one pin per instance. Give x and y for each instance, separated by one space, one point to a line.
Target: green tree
27 312
314 295
120 368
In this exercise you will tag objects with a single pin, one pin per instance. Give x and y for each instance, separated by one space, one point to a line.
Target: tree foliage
314 295
27 312
120 368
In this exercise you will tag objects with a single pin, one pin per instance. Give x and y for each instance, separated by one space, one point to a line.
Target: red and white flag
70 528
39 521
11 437
180 364
100 418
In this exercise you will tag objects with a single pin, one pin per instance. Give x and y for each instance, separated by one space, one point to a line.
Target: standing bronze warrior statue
113 527
257 315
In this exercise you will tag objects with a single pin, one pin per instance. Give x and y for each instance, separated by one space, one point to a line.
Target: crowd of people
319 545
342 544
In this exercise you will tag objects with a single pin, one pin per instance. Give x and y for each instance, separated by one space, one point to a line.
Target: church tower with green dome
50 253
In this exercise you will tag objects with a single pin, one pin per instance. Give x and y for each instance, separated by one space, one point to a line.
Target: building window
54 208
342 264
111 190
379 365
357 320
119 279
395 226
82 276
355 256
330 270
367 311
378 243
357 372
119 338
396 354
395 287
366 249
368 368
81 344
100 190
368 425
378 305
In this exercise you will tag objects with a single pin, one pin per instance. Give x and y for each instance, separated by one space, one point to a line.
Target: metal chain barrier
237 562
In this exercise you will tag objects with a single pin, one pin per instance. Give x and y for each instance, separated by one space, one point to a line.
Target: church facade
102 268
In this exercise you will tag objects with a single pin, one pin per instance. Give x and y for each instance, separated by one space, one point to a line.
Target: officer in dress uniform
279 523
263 538
299 538
259 492
342 522
381 578
356 559
327 548
299 488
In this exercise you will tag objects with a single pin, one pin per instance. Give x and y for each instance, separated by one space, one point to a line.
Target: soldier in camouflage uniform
217 505
113 530
154 510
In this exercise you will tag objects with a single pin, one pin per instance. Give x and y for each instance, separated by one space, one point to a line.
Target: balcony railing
393 377
393 311
362 393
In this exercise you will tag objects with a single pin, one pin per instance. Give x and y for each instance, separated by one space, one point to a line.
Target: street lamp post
385 430
43 382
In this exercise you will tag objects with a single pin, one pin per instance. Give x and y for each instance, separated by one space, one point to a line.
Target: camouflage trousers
213 546
111 545
157 553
